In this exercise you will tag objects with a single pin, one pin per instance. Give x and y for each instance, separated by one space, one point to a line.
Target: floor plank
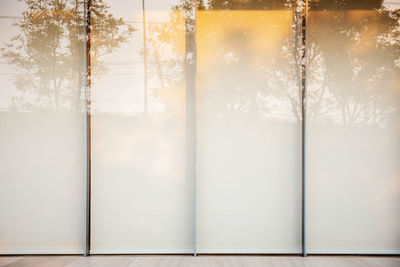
200 261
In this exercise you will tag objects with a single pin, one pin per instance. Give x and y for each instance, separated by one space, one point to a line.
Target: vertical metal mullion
190 103
303 125
145 108
195 127
87 104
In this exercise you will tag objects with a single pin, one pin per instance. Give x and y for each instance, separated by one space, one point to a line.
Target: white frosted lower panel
353 162
142 201
248 150
42 148
142 198
42 184
353 190
247 196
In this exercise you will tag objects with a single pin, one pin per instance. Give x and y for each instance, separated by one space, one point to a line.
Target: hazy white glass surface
248 130
142 199
41 128
353 162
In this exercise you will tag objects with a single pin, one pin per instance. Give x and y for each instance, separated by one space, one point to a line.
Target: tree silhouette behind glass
48 52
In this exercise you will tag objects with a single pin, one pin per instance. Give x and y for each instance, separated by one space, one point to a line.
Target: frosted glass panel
248 129
142 198
353 158
41 128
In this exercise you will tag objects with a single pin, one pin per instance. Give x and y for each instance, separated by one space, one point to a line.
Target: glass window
353 127
248 128
42 128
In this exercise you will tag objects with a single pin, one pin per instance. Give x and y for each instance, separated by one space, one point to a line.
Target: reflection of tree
49 51
352 57
346 4
254 80
247 4
352 79
353 62
166 53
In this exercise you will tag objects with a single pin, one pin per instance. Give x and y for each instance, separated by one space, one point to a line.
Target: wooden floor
209 261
